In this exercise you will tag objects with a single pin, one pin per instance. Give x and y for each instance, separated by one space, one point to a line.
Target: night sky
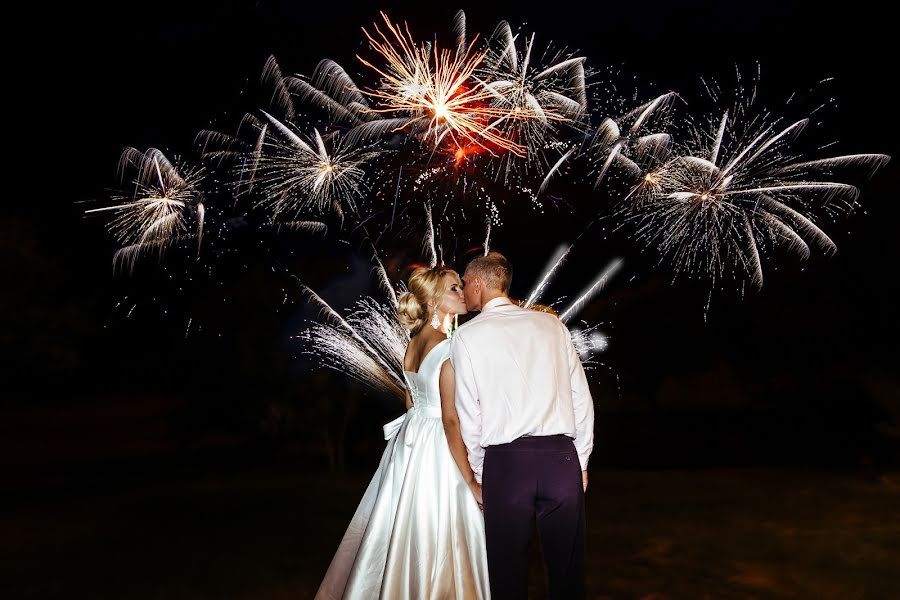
804 371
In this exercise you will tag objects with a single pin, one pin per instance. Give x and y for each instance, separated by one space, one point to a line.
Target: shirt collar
496 302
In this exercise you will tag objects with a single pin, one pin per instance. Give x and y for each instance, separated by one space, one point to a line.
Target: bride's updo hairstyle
425 285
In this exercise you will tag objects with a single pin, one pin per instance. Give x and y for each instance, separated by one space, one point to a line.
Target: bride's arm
407 397
451 428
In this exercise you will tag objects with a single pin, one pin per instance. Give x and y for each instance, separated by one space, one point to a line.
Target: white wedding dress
418 532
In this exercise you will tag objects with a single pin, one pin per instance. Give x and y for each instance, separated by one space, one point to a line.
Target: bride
418 531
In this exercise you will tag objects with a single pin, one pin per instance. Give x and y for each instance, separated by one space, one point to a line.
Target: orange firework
436 87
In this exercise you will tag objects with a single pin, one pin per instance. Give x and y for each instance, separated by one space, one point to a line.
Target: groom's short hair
494 269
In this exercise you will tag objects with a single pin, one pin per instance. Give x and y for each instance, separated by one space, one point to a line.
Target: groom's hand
476 490
584 480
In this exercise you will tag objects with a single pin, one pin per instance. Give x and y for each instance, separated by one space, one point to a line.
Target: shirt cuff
583 459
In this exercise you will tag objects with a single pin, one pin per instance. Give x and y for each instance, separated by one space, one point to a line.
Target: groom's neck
491 295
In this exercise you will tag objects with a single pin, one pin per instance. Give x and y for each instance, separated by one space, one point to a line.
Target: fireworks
368 345
627 141
297 175
437 90
164 203
552 96
555 263
591 291
442 137
737 192
588 340
460 124
575 306
294 176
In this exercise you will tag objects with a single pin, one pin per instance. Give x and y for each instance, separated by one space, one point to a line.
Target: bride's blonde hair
424 287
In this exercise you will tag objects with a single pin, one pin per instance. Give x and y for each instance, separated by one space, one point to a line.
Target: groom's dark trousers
527 477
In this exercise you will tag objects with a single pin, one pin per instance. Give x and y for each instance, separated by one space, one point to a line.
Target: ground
269 533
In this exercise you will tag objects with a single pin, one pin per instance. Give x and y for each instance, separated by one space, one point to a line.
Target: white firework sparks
630 140
589 341
165 202
738 191
317 175
368 345
575 307
551 91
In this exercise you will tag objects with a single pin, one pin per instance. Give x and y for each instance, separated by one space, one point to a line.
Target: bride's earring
435 322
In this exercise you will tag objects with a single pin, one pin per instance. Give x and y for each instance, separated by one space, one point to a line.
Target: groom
527 419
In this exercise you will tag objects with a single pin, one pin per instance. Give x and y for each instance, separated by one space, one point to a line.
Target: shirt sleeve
468 406
582 403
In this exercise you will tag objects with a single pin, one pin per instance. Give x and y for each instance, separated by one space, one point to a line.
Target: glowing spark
368 345
428 242
617 142
553 266
164 201
297 175
552 95
436 89
592 290
737 192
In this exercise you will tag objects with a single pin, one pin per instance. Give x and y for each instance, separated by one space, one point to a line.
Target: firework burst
166 200
321 174
552 92
737 191
295 174
368 345
629 141
464 129
436 90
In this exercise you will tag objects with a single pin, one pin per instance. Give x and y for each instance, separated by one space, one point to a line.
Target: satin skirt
418 532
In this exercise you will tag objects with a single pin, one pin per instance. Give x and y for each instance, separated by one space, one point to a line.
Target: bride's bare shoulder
410 357
418 348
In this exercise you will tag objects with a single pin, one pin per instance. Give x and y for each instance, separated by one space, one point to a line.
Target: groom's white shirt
518 373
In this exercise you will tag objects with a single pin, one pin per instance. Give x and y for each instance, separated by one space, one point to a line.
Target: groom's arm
582 403
468 407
